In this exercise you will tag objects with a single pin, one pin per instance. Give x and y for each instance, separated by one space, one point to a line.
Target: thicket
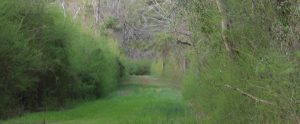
170 59
248 70
46 60
138 67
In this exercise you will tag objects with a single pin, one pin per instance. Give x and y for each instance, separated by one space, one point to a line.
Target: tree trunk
62 3
96 7
284 11
225 23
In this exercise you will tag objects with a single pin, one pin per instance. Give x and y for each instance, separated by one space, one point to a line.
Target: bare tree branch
186 33
184 43
249 95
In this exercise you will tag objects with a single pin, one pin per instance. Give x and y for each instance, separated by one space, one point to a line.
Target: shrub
252 84
138 67
46 61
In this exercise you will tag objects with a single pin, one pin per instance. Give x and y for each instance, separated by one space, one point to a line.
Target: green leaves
265 66
45 60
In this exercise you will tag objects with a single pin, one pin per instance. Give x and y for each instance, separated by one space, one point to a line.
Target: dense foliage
238 60
138 67
46 61
246 71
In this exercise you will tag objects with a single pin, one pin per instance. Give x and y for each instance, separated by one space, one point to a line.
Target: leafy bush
173 70
45 60
96 68
138 67
157 67
254 84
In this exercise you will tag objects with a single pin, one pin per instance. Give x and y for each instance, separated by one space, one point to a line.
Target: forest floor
140 100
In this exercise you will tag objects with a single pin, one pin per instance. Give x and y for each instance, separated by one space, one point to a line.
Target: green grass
141 99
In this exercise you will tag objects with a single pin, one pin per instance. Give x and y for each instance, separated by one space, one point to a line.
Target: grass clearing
141 99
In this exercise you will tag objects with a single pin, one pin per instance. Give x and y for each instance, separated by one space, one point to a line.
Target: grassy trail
141 100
